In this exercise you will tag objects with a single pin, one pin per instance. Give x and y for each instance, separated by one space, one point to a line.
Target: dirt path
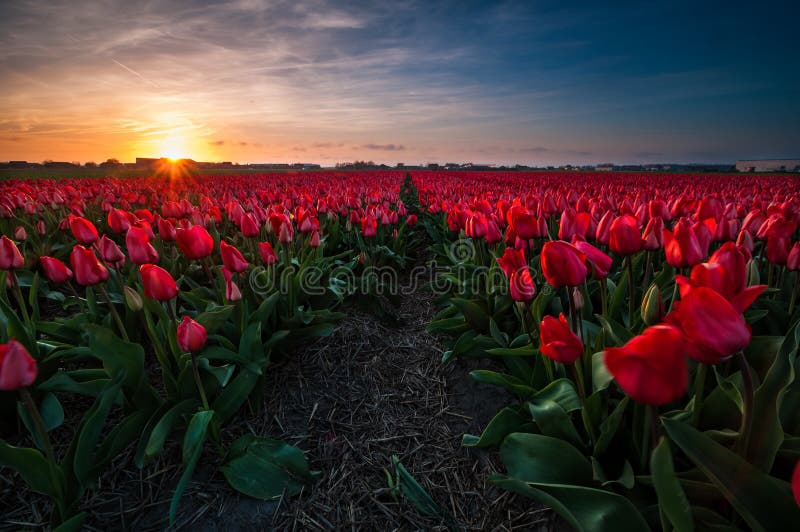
350 401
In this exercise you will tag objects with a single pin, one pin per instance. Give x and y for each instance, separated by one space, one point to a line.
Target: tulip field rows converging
644 329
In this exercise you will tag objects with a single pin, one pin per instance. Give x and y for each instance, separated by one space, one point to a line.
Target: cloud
383 147
217 142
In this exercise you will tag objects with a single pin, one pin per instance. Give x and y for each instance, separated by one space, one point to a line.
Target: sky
530 82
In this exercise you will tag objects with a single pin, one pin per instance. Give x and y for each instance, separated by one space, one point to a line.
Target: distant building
607 167
768 165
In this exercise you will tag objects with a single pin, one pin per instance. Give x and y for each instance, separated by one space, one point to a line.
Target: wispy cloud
383 147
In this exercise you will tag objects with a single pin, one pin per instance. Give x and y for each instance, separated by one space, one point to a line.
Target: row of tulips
654 373
165 301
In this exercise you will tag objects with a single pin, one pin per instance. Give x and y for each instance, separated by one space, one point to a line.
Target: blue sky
489 82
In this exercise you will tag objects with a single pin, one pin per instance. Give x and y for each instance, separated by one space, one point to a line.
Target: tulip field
640 332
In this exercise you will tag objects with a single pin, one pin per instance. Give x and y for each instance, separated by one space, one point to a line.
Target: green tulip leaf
763 502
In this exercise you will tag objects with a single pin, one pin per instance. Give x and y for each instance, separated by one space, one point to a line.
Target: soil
351 401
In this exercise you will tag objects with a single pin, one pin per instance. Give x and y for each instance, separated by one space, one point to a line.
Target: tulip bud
753 277
652 306
577 298
133 299
20 234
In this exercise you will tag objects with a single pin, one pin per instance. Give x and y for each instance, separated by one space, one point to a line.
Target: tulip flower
793 259
232 258
158 283
20 234
522 287
369 227
558 342
17 368
681 246
651 367
10 256
166 230
41 228
87 269
250 225
563 264
110 253
120 221
55 270
599 262
83 230
195 242
726 273
139 248
232 292
713 329
268 255
624 236
191 335
315 241
653 236
512 261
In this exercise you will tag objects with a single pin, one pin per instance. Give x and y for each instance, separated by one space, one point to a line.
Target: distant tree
90 164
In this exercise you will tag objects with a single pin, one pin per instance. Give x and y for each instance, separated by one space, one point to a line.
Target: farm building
769 165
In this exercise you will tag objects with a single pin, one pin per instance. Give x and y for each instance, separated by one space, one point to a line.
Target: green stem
199 383
548 365
699 384
20 299
749 397
603 296
631 290
114 313
647 433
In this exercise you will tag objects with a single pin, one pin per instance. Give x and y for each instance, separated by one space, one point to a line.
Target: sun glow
174 148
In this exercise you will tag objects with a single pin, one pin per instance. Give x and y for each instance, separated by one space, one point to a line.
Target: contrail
132 71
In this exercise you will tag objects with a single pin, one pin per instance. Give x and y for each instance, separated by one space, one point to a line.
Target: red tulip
158 283
653 236
369 227
232 292
563 264
411 221
110 252
512 261
41 228
599 262
713 329
232 258
120 221
523 222
681 245
87 269
250 225
17 368
603 231
624 236
191 335
139 248
558 341
286 233
651 367
10 257
83 230
20 234
194 242
522 287
55 270
166 230
793 259
268 255
315 241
